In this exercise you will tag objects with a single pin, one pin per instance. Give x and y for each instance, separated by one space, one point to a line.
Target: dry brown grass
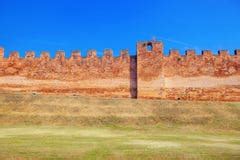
27 108
35 126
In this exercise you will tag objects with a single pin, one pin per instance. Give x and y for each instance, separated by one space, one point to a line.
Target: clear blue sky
93 24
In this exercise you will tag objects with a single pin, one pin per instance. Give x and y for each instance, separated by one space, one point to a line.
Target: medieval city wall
150 74
105 76
187 77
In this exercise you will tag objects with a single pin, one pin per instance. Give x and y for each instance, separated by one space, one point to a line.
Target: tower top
150 46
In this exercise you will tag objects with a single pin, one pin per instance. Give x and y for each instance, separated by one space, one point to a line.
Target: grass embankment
73 127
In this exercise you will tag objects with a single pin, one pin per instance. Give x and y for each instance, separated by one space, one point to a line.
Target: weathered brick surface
150 74
107 76
188 77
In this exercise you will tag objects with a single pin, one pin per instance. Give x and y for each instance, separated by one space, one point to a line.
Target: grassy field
36 126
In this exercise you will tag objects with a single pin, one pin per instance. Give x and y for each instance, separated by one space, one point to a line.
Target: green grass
48 142
73 127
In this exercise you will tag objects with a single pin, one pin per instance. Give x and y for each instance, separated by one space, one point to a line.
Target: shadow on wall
133 76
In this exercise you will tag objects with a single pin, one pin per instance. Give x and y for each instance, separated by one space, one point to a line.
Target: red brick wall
150 74
188 77
106 76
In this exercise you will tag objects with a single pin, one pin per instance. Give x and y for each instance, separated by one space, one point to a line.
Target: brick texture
150 74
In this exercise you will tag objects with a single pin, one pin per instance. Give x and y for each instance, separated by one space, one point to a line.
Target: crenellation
224 54
75 55
30 55
149 74
124 53
60 56
174 54
108 53
237 52
190 53
92 53
14 55
107 58
151 48
157 48
185 77
237 57
45 56
124 56
1 53
142 47
207 55
92 60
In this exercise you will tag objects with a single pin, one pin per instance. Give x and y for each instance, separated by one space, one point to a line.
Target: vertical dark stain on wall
133 77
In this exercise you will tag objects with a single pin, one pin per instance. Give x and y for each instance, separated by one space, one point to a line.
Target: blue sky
93 24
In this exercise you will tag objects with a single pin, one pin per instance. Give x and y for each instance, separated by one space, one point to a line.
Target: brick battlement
76 54
149 74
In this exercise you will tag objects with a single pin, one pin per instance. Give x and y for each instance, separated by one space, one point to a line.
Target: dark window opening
149 47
